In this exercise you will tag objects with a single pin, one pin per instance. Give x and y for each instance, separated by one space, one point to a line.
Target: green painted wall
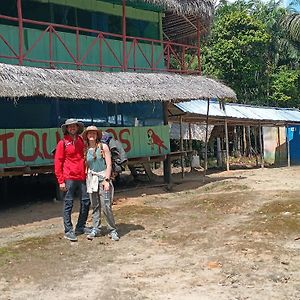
109 8
41 50
32 147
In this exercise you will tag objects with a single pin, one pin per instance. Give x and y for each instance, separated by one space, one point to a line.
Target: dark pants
76 188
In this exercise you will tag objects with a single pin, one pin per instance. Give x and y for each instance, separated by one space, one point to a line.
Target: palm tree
291 23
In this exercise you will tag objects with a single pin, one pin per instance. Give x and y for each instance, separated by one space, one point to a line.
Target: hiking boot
114 236
93 233
70 235
85 230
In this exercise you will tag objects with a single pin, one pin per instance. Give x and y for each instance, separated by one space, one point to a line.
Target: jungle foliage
254 47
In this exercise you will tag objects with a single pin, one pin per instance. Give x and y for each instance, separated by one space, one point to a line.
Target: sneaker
93 233
70 235
85 230
114 236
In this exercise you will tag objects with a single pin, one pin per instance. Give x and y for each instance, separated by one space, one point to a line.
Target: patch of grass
178 238
224 186
276 207
130 212
17 249
219 204
33 243
278 217
6 255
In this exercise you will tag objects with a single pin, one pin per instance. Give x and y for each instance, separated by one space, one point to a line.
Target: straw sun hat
92 128
70 122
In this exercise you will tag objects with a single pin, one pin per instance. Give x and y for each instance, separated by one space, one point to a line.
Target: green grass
278 217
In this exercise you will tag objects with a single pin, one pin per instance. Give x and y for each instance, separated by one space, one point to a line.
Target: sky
286 3
297 7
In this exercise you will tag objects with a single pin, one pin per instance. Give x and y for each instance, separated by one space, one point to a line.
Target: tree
285 87
291 22
237 53
252 51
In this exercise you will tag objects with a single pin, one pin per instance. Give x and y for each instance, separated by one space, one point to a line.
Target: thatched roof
185 7
180 21
17 81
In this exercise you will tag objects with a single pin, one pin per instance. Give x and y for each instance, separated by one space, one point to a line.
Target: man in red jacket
69 165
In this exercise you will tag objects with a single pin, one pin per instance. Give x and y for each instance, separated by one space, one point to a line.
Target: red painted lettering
47 155
36 153
125 141
57 135
110 130
5 159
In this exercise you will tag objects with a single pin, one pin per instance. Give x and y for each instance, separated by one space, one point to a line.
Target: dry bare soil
230 237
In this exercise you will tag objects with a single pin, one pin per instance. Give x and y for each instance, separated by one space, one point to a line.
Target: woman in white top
99 185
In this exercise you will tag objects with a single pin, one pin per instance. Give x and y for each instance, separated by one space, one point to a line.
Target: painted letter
125 141
36 149
5 159
110 130
47 155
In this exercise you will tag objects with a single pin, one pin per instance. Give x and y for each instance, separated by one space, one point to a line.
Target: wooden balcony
48 45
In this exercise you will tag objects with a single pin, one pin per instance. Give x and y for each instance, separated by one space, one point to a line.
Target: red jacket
69 159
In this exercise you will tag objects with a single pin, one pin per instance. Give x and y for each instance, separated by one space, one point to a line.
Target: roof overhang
116 87
234 114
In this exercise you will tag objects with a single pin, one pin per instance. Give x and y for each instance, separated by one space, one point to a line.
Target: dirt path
231 237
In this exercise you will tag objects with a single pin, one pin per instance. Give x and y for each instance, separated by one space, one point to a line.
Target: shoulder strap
101 149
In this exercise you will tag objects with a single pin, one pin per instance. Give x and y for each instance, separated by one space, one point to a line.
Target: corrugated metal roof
240 111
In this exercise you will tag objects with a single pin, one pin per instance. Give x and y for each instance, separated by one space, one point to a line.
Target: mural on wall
275 145
155 140
19 147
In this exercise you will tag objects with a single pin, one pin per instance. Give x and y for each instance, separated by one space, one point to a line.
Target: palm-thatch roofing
20 81
180 21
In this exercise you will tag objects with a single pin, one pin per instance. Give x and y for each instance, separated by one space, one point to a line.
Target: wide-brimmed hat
92 128
70 122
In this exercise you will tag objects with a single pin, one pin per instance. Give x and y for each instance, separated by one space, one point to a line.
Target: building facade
99 36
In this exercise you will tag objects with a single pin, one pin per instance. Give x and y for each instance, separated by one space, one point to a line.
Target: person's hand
106 185
62 187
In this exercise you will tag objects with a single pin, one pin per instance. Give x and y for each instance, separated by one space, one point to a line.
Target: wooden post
181 149
167 161
288 146
278 146
235 142
227 146
21 34
255 145
219 152
244 142
262 164
249 141
190 138
198 46
238 138
124 35
206 140
190 145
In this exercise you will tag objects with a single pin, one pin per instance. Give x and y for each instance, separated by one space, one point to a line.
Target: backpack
118 154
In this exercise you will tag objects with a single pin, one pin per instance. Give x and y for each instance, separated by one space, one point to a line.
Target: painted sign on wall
19 147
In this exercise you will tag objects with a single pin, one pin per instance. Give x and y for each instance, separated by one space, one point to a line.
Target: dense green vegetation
254 47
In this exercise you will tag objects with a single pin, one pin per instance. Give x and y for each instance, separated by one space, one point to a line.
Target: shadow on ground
32 199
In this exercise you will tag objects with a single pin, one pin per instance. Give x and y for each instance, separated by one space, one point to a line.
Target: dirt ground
233 236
